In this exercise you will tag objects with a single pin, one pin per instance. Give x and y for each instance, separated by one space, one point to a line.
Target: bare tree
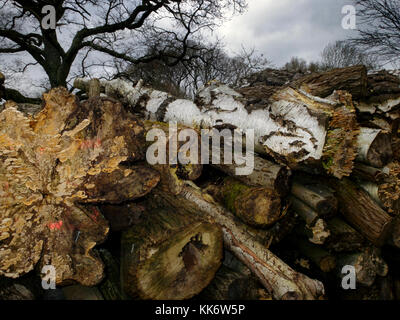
378 25
121 29
342 54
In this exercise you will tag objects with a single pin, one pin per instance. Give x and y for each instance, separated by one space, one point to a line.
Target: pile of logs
77 193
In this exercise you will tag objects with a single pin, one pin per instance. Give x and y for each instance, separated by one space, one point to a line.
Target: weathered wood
256 206
50 164
265 174
170 255
290 125
94 89
317 197
362 212
277 277
316 234
351 79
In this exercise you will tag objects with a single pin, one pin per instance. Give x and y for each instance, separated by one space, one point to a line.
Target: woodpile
77 193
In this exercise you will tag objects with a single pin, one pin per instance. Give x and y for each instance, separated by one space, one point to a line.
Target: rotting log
256 206
170 255
277 277
53 162
290 125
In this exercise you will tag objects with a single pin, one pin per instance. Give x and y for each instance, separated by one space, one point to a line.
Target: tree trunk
170 255
309 215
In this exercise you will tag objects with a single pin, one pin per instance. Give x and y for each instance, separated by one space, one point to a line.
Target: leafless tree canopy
185 78
342 54
378 24
122 29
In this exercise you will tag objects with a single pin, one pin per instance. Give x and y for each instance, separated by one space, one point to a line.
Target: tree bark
171 255
343 238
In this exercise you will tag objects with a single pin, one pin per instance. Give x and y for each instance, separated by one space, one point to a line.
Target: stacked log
324 193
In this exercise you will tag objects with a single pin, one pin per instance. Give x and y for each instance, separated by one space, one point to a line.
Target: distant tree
378 25
342 54
296 64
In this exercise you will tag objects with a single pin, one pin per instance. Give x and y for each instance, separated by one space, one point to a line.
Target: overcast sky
281 29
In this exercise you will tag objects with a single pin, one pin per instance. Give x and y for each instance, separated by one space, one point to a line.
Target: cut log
265 174
277 277
171 255
362 212
256 206
290 125
351 79
232 285
317 197
374 147
50 164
